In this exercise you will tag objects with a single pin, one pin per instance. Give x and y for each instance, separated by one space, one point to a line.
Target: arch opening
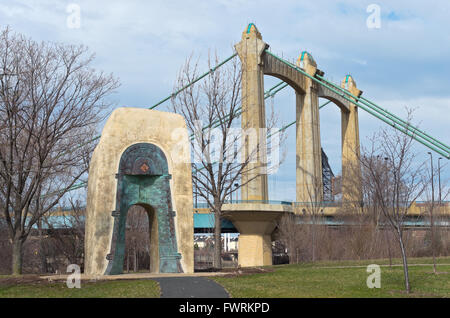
336 102
292 83
141 239
330 137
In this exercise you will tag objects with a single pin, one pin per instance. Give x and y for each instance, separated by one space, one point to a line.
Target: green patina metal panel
143 179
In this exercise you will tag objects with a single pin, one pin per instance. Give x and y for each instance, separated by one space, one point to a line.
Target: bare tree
211 110
372 208
290 233
5 250
311 210
399 186
51 100
432 207
299 233
65 233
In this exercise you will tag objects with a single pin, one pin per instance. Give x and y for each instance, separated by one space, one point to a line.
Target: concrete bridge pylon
351 168
309 182
250 50
257 221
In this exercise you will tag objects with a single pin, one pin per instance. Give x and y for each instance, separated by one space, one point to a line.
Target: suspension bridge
343 96
254 215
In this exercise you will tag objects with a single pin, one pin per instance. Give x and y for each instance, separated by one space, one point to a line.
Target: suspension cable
368 108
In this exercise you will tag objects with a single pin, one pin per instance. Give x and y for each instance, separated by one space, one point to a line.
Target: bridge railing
204 205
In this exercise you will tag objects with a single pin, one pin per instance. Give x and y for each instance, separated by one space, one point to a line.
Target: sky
405 62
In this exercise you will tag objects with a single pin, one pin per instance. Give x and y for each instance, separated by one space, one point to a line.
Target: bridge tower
309 184
351 168
308 153
250 51
256 221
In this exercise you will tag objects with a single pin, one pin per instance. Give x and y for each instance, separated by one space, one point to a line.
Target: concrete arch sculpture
143 158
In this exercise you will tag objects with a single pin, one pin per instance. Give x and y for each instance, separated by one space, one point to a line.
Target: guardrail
204 205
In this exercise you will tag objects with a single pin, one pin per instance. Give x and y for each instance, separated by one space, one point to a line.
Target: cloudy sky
405 62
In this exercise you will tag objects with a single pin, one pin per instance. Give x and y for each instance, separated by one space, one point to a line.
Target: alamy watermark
73 20
374 279
259 146
374 19
74 279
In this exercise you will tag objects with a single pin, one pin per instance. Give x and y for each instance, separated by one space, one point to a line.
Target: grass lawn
310 280
100 289
321 279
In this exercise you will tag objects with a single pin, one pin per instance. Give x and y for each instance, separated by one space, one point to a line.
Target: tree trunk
217 261
135 259
17 256
405 263
42 254
389 247
128 262
313 241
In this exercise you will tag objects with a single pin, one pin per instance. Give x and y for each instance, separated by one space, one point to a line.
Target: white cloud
146 42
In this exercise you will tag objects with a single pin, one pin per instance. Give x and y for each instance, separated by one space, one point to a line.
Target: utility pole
386 195
439 175
431 213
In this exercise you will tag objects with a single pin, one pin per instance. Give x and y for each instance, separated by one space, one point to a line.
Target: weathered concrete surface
250 50
337 99
255 223
309 185
351 168
125 127
276 68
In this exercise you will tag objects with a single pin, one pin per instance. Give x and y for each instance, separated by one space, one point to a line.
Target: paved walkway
177 285
133 276
190 287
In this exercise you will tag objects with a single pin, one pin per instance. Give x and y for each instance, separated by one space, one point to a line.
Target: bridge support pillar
255 223
255 249
255 237
351 168
309 185
250 51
